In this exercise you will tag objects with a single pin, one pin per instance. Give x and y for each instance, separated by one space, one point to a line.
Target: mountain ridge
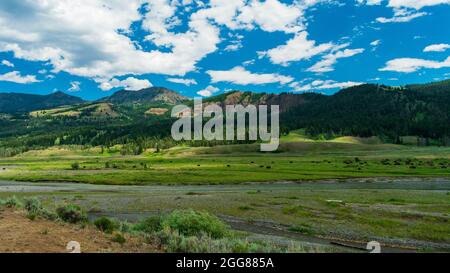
21 102
362 111
147 95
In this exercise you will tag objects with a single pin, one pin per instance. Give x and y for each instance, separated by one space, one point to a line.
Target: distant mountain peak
61 94
147 95
18 102
285 101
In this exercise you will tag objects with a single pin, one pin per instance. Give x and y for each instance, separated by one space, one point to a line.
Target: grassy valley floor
405 213
344 191
229 164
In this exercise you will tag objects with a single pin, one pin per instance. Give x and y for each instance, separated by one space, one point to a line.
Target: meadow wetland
335 195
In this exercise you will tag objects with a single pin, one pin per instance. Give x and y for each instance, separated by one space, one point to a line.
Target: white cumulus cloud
401 16
375 43
131 84
437 48
90 38
74 86
208 91
7 63
272 15
239 75
297 49
328 61
408 65
16 77
404 10
187 82
369 2
416 4
321 85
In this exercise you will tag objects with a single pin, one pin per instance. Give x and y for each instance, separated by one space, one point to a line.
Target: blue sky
91 48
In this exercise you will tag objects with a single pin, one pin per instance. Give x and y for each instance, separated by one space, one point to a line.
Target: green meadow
298 159
346 190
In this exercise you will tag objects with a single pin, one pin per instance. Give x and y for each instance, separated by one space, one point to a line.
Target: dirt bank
21 235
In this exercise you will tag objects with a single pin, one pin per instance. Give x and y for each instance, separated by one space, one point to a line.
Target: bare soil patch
18 234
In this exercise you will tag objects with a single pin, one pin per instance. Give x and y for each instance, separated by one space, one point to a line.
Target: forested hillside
142 119
15 102
373 110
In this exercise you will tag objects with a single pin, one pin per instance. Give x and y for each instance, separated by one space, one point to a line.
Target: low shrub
105 224
244 208
34 208
304 229
119 238
71 214
124 227
193 223
48 214
32 205
149 225
12 202
175 242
